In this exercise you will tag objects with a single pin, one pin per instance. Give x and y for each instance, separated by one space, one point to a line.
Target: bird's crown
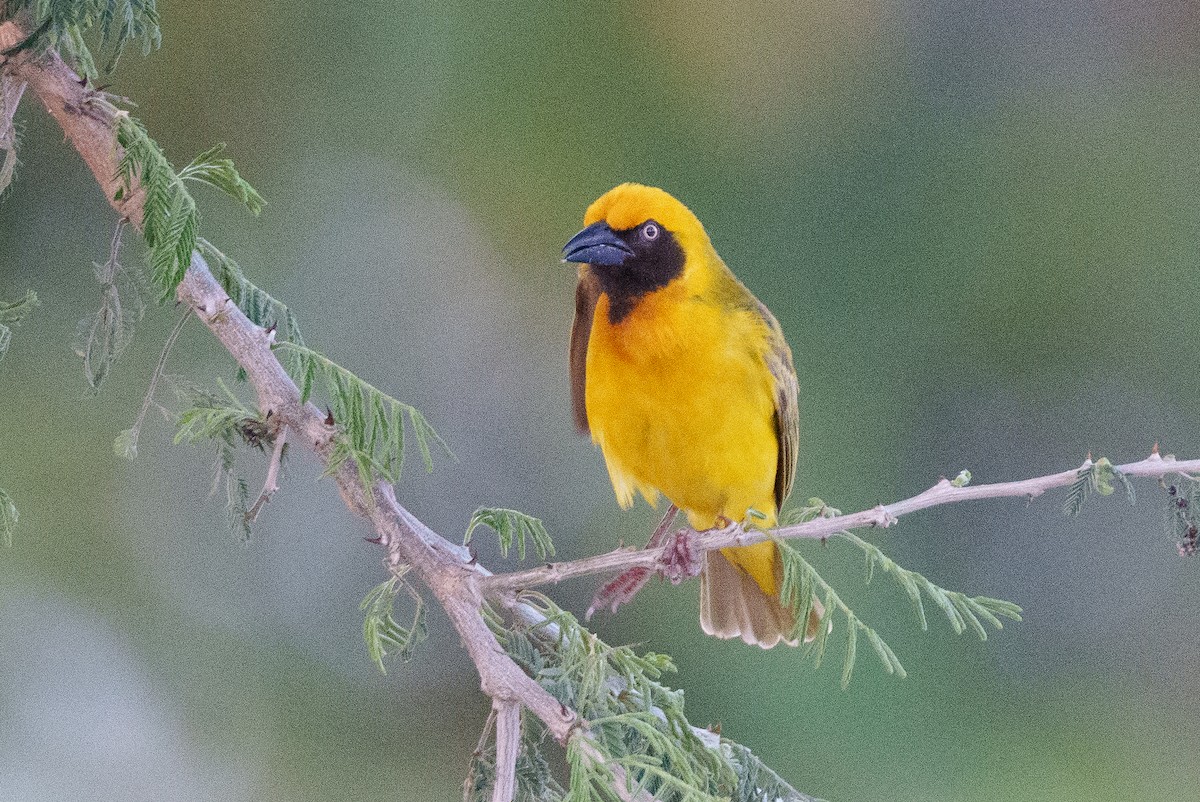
629 205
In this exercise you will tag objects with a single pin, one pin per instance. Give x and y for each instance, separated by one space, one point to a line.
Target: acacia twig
508 747
160 368
272 482
89 123
883 515
11 90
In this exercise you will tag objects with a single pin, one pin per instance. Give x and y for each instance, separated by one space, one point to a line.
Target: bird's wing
787 410
581 331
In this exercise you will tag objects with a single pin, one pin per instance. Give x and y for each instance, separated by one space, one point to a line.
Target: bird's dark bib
654 265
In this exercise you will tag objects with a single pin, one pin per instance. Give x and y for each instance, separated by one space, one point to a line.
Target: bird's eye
650 231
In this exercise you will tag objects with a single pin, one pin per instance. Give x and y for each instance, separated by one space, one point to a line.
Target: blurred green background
977 223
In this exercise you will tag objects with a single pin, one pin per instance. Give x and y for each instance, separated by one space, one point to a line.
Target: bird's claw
619 591
677 563
679 558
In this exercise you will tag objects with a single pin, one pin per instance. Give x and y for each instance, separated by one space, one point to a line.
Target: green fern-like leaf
1130 493
801 583
62 24
512 527
11 314
217 171
635 723
636 726
653 766
383 635
102 336
211 417
812 509
8 518
535 777
962 611
255 303
756 781
169 215
591 780
227 423
1096 478
1078 493
371 422
75 52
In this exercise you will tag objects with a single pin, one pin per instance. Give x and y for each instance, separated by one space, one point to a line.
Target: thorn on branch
85 109
881 518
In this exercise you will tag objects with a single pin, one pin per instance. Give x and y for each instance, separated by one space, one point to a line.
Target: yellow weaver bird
685 382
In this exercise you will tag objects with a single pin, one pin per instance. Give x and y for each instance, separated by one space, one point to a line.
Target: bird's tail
736 602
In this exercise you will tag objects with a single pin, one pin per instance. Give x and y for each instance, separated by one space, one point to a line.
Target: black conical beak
597 245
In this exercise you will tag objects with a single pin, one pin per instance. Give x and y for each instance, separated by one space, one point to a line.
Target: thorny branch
448 570
11 89
508 747
89 123
883 515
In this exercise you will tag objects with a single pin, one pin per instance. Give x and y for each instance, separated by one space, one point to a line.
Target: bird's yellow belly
693 423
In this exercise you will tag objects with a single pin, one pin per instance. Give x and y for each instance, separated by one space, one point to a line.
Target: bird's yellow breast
681 403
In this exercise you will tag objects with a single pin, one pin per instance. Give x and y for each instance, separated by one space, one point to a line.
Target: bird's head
638 239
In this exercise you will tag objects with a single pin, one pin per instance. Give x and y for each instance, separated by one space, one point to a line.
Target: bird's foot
677 564
619 591
679 558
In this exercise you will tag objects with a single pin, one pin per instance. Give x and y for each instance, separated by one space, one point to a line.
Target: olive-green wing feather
787 410
581 331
